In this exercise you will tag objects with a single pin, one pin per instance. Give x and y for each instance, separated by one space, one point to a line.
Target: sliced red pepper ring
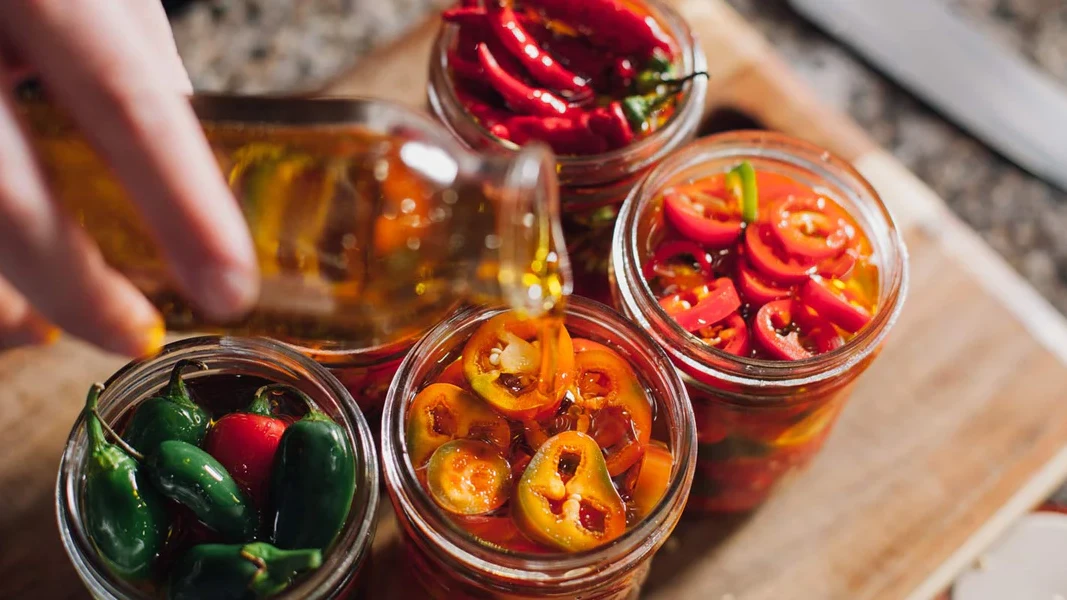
468 477
838 266
757 290
667 252
729 335
713 219
517 377
818 330
453 374
442 412
830 304
768 260
621 414
653 479
566 498
809 226
714 302
773 317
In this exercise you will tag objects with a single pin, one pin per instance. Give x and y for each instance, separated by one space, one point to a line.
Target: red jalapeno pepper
707 217
806 226
839 266
714 303
668 251
818 330
757 290
613 25
830 304
621 415
518 95
245 443
729 335
770 260
773 317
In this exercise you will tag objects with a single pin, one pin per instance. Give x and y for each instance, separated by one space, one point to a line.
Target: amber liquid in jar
369 223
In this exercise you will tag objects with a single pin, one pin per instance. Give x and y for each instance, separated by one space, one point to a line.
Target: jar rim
568 571
352 547
876 220
656 145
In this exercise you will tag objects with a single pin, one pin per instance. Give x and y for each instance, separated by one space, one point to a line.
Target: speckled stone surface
276 45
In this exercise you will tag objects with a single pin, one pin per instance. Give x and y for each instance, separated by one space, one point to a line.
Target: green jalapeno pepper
124 515
237 572
312 484
169 415
190 476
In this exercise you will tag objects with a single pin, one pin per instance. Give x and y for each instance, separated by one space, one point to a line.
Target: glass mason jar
342 567
369 221
365 373
591 187
758 420
447 562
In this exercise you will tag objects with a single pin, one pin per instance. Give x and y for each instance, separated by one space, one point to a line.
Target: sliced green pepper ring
468 477
622 416
511 367
653 479
442 412
565 498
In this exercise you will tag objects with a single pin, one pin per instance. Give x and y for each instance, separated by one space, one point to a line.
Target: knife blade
985 87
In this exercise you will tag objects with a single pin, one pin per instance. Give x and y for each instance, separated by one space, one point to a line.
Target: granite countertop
276 45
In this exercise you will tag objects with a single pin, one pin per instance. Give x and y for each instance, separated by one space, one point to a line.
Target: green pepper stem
742 180
275 568
261 402
121 443
176 389
92 419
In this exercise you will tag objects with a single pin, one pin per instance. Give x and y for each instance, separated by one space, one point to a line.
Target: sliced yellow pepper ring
468 477
510 365
442 412
622 415
565 498
653 479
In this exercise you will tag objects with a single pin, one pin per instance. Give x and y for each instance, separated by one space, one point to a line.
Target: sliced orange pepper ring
622 416
468 477
453 374
566 499
510 365
442 412
653 479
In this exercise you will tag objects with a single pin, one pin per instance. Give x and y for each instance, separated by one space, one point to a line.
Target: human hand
114 67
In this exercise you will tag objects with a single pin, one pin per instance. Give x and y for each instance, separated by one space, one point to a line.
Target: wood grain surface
958 428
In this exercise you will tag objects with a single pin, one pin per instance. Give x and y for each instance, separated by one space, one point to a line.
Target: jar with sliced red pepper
223 468
771 272
612 86
536 458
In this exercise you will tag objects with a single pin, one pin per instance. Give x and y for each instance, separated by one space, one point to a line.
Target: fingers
51 261
155 31
93 61
20 325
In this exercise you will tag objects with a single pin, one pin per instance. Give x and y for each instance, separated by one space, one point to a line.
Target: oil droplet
381 170
492 241
414 243
407 206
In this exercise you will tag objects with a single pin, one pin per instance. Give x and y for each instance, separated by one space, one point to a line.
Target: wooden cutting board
957 429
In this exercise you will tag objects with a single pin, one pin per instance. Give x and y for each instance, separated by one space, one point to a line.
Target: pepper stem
261 402
275 568
121 443
92 419
176 389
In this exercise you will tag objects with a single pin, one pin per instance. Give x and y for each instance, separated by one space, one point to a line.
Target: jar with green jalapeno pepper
212 504
612 86
771 272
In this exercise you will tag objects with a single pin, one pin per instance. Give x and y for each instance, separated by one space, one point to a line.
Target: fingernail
224 293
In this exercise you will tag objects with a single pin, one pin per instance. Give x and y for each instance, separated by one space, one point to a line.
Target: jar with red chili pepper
517 472
771 272
216 497
613 86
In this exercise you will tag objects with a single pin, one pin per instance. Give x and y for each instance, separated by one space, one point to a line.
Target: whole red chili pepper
521 97
474 29
610 123
245 443
565 135
541 66
614 25
491 117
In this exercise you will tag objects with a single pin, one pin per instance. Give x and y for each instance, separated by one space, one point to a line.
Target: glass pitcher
370 222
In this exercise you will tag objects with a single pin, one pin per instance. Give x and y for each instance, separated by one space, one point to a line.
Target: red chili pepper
574 52
769 260
486 114
838 266
817 329
757 290
564 135
539 63
667 251
807 226
614 25
710 218
719 301
772 317
829 304
521 97
245 443
610 123
729 335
